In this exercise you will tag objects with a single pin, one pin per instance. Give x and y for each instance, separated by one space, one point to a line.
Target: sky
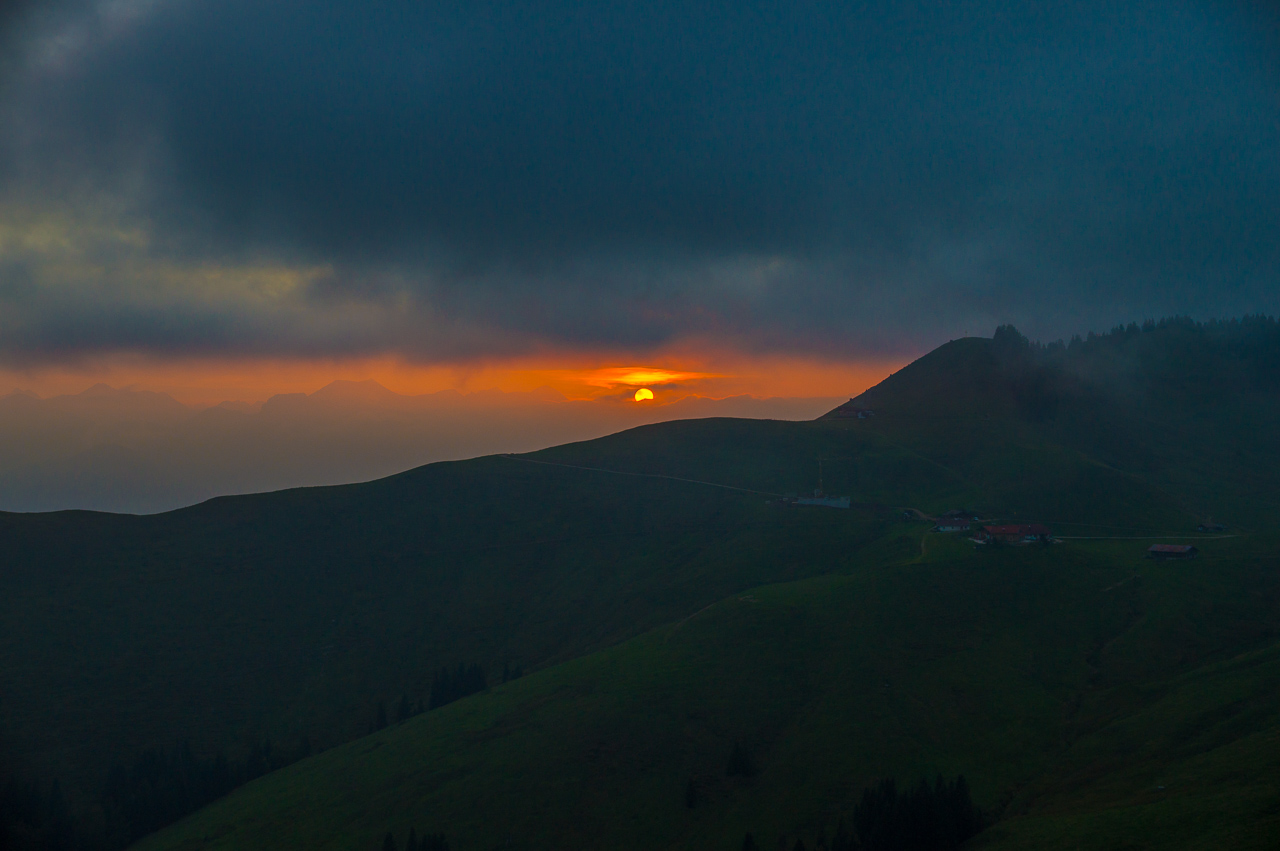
233 199
138 451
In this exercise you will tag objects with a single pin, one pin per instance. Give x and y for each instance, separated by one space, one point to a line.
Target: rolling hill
615 570
1083 691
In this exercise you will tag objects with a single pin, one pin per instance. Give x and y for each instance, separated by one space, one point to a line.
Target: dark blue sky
458 180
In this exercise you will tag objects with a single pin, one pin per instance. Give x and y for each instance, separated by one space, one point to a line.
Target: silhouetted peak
356 391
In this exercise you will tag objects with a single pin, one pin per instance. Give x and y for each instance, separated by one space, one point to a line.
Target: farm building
1166 551
952 524
1024 533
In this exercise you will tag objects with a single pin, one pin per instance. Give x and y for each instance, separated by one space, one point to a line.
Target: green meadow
1092 698
665 613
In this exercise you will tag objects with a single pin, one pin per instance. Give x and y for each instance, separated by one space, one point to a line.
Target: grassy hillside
1088 695
295 613
1184 409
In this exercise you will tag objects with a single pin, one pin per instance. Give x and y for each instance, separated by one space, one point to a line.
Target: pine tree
438 684
433 842
411 844
382 715
389 843
842 841
749 843
741 763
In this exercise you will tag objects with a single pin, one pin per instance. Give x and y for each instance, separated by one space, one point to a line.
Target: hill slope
296 613
1083 691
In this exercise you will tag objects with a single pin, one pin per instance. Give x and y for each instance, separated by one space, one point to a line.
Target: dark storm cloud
828 177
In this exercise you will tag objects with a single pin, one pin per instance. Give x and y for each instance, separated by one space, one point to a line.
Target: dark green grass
1027 669
294 613
290 614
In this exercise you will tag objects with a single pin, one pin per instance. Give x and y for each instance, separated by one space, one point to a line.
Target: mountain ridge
494 561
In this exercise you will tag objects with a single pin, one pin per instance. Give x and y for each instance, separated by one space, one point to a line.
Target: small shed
1167 551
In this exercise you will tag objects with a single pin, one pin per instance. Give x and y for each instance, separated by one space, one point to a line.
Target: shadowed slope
1030 670
295 613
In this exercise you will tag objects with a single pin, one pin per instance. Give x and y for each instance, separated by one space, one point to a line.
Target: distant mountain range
136 451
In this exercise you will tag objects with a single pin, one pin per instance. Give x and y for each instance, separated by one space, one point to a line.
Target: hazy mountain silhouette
137 451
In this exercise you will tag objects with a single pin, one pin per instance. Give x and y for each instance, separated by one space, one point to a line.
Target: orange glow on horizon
639 375
210 381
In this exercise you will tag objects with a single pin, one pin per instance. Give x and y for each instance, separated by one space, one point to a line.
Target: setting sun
643 393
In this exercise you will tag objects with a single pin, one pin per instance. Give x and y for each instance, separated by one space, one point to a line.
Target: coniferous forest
158 788
454 684
164 784
938 816
428 842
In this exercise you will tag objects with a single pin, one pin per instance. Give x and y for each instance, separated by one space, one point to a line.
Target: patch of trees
692 793
1176 355
429 842
34 820
163 785
741 762
160 787
449 685
938 816
934 816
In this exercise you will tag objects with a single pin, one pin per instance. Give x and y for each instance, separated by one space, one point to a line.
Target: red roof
1170 548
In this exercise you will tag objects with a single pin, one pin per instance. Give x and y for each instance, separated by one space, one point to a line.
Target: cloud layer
448 181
